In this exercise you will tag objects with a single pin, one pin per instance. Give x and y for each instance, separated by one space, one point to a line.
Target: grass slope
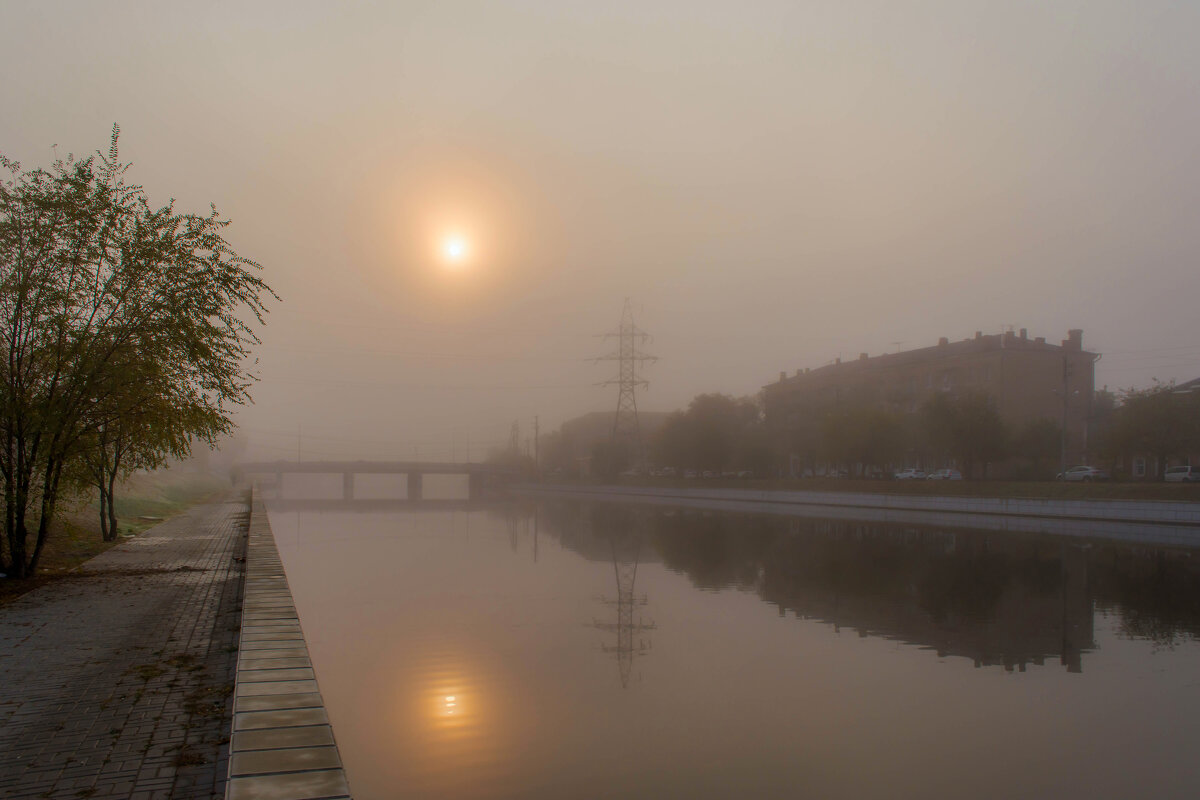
142 502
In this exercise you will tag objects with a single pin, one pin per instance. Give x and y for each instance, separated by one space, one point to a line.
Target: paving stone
278 738
258 675
275 687
129 661
294 649
258 762
294 786
260 635
272 663
273 702
283 718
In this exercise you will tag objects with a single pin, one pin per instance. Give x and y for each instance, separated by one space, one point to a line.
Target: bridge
479 476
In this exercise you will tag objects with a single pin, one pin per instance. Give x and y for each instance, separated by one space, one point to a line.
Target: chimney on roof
978 334
942 342
806 370
837 360
782 376
1024 334
862 356
1040 340
1074 339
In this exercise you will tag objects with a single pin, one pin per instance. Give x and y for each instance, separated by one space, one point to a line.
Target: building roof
980 343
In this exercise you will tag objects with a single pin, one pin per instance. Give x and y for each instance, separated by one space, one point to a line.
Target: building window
1139 467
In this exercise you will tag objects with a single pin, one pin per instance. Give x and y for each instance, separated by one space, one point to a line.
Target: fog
774 184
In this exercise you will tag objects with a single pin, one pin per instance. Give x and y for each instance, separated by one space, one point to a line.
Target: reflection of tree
995 598
995 602
972 584
701 546
1157 593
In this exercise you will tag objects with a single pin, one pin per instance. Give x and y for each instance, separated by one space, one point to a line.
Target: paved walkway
117 682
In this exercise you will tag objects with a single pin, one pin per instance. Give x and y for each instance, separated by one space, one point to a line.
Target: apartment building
1027 379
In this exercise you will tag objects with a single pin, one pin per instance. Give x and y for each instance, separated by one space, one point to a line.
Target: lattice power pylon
630 358
514 439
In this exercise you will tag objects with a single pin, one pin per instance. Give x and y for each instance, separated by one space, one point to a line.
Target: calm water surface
574 650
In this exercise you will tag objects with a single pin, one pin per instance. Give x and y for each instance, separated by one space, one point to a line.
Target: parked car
944 475
1083 473
1182 475
910 474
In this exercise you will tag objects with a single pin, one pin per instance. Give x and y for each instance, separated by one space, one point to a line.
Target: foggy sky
775 184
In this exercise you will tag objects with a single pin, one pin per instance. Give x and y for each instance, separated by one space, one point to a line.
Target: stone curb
1170 524
281 745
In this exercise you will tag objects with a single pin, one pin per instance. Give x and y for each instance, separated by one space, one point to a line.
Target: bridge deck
371 467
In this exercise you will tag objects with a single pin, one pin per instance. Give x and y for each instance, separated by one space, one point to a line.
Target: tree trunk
49 501
16 537
16 549
8 522
104 516
112 508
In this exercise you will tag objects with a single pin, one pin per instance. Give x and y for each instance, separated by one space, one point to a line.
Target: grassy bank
1033 489
142 502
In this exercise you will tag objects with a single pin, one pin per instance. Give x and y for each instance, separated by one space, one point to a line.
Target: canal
573 649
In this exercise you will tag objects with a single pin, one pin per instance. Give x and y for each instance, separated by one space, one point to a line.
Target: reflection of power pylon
630 357
518 522
629 621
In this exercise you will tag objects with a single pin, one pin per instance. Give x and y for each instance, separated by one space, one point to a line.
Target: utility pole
535 445
630 358
1062 456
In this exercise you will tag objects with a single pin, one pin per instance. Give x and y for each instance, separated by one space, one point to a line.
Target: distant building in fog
1025 378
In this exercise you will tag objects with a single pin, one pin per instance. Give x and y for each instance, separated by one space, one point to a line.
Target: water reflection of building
997 598
996 603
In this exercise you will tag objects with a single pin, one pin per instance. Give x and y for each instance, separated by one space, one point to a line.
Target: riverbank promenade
117 680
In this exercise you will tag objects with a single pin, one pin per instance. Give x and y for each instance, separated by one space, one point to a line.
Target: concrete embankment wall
1147 522
282 745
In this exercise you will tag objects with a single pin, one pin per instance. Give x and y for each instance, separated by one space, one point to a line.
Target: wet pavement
117 682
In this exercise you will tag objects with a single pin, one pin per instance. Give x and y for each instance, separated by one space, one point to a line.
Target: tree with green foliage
118 322
966 427
861 436
715 433
1038 444
610 458
1160 421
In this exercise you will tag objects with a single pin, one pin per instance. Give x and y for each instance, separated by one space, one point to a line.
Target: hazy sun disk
454 250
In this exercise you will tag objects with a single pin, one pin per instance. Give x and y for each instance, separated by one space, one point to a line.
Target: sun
455 250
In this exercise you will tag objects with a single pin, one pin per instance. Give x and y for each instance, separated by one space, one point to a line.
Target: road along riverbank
1145 521
282 744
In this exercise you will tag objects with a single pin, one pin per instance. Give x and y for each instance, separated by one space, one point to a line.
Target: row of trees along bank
719 433
123 333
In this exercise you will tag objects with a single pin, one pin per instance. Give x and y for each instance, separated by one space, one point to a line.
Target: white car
945 475
1182 475
1083 473
910 474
